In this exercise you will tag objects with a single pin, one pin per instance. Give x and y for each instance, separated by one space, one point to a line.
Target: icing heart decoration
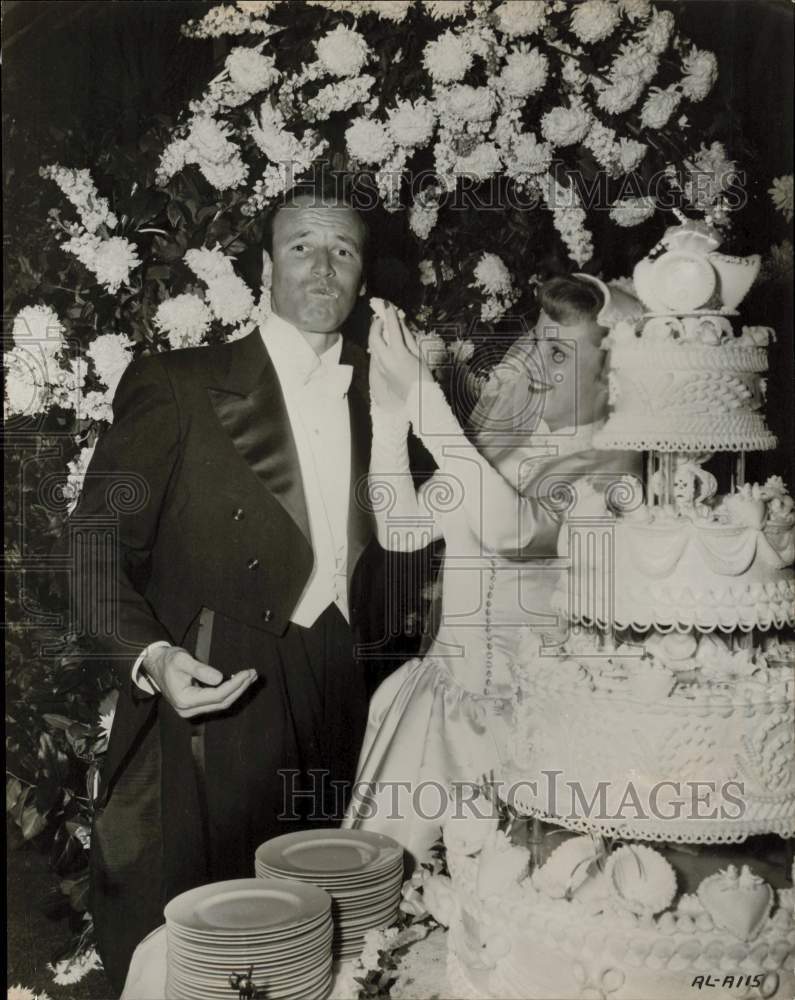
739 903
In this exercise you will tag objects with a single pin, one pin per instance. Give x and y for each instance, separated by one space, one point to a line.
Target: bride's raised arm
503 519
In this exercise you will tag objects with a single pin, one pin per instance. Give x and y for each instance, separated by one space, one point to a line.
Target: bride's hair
569 300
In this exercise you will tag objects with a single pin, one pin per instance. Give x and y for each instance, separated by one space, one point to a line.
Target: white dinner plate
328 853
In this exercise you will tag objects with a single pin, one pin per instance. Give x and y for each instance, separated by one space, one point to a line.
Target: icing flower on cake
440 899
468 825
502 866
739 902
640 879
570 868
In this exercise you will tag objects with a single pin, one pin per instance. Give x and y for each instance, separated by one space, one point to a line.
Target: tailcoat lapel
248 401
360 519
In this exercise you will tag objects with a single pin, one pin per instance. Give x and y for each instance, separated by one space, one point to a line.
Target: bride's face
566 366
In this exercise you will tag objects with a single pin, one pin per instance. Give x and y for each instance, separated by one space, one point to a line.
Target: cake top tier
684 273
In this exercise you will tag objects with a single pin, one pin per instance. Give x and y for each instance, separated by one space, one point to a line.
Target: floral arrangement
487 137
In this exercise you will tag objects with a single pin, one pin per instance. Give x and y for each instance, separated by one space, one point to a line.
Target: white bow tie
330 382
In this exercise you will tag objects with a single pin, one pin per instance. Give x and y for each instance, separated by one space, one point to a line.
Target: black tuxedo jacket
199 482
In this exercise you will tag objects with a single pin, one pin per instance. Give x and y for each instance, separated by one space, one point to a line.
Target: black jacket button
239 514
253 564
267 614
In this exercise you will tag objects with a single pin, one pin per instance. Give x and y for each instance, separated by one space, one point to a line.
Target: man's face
567 367
317 264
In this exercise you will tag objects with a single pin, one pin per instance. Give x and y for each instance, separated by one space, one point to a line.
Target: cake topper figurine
691 487
244 983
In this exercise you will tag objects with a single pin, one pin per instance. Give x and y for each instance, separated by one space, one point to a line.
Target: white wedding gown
447 717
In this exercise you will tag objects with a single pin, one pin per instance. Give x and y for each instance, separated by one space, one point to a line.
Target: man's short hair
569 300
328 189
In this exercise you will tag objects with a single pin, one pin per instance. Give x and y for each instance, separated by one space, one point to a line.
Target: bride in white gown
446 718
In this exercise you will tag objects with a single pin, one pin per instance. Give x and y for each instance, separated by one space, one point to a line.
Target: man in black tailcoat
238 587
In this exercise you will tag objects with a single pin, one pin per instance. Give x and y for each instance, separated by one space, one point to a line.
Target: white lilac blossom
565 126
517 18
632 211
709 175
343 51
77 470
781 195
389 178
226 20
659 106
368 141
616 156
339 96
569 218
525 72
635 10
572 75
207 145
228 296
412 124
701 72
447 58
657 33
422 218
250 71
78 187
183 320
110 260
594 20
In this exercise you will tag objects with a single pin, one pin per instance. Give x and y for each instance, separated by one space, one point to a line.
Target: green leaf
31 822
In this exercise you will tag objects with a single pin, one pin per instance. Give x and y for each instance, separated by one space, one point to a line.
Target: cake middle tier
677 738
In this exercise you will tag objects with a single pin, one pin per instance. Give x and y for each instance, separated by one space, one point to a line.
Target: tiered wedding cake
667 717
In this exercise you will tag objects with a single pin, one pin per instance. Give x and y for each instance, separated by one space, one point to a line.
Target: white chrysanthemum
368 141
594 20
78 187
461 351
224 176
230 299
657 33
635 62
209 264
472 104
492 276
529 156
630 154
38 326
482 162
72 970
209 141
701 72
635 10
20 992
525 72
184 319
29 375
339 96
632 211
111 354
619 95
565 126
601 141
95 406
113 261
412 125
571 74
447 58
78 468
445 10
250 71
710 174
520 17
173 159
110 260
270 135
343 51
259 8
659 106
422 219
391 10
781 195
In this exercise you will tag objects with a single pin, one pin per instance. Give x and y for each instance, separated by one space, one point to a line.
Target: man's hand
180 678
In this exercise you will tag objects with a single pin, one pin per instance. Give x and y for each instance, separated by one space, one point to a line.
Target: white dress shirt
314 390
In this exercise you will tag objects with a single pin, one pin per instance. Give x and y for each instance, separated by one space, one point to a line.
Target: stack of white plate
362 872
282 930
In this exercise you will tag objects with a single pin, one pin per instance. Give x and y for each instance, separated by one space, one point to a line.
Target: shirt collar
293 358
